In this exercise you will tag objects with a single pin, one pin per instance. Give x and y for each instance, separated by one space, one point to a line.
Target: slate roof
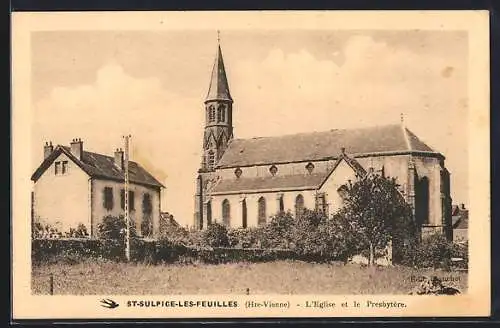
219 87
100 166
321 145
461 221
286 182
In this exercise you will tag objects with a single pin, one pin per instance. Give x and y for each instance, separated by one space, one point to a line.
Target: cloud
117 104
374 84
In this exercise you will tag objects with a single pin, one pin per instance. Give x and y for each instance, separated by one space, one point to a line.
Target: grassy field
261 278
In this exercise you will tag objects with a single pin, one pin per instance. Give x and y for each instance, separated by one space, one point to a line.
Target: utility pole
127 214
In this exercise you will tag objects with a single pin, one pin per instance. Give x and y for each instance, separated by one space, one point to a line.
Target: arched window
299 205
343 191
226 212
211 114
261 211
244 213
211 159
422 201
281 204
209 213
221 114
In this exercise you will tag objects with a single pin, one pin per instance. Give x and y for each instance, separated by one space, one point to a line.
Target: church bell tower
218 132
218 115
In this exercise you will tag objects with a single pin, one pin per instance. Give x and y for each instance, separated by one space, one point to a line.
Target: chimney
77 148
119 158
47 149
462 206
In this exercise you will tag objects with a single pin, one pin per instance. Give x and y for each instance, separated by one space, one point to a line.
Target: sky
100 85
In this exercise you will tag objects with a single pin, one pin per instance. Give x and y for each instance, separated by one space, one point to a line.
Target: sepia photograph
242 159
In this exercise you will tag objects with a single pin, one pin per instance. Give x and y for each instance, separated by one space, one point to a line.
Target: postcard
250 164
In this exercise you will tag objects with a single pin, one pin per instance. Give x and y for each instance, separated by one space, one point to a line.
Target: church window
281 203
211 114
343 190
211 159
299 205
321 204
422 201
261 211
226 212
273 169
209 213
221 113
244 213
238 172
310 167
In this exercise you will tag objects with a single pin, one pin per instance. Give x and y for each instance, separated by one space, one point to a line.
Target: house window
64 167
226 212
57 168
131 203
211 114
262 211
147 206
310 167
221 113
238 172
273 169
122 199
131 200
108 198
299 205
321 204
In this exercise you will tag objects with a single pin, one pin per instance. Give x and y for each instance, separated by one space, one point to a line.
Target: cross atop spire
219 87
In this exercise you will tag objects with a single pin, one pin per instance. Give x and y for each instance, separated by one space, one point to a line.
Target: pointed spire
219 87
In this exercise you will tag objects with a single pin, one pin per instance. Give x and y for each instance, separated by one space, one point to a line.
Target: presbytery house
73 186
242 182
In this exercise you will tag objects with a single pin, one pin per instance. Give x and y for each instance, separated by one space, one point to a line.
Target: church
243 182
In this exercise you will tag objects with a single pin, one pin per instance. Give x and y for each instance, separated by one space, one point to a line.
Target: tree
377 214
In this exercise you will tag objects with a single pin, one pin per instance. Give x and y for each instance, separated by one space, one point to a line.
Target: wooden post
127 218
51 284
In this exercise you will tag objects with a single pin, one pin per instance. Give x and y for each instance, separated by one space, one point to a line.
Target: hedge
147 251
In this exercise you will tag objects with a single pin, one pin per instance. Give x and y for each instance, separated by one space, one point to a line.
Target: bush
434 251
46 231
216 235
114 228
245 237
460 255
278 232
79 232
45 251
